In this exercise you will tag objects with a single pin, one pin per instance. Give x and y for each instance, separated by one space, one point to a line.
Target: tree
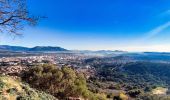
14 15
61 83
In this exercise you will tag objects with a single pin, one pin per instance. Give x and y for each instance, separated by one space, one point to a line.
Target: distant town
105 71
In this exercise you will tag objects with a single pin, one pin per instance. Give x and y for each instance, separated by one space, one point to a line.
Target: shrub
61 83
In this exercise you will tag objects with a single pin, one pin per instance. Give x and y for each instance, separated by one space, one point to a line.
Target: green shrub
61 83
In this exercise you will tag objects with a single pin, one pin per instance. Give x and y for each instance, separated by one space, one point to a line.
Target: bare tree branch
14 15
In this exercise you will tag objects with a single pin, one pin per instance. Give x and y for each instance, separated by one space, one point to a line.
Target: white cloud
148 42
157 30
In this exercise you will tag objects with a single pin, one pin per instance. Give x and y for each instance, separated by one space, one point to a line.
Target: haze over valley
84 50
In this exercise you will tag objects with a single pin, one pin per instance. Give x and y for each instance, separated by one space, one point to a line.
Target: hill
47 48
12 48
136 78
11 89
26 49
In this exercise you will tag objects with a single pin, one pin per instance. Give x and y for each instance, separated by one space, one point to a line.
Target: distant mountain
34 49
12 48
47 48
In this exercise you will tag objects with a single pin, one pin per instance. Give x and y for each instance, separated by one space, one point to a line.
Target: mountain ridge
33 49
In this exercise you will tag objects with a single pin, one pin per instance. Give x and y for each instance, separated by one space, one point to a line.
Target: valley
113 73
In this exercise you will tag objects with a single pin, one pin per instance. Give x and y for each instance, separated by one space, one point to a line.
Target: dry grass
11 89
160 91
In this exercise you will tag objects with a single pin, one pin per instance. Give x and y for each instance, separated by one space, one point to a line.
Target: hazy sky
131 25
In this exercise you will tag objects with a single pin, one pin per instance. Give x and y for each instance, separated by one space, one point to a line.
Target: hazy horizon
132 25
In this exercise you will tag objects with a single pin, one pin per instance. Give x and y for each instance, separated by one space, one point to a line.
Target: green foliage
11 89
62 83
135 77
134 93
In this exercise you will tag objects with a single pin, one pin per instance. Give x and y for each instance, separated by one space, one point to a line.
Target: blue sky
131 25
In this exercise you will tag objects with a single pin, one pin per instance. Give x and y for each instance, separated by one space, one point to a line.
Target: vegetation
62 83
135 78
11 89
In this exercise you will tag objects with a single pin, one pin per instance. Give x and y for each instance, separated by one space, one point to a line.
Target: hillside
11 89
136 78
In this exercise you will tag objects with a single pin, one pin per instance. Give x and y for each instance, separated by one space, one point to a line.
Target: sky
129 25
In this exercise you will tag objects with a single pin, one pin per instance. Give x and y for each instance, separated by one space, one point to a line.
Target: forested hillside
136 78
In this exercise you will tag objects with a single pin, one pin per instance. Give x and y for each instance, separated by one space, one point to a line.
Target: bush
61 83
